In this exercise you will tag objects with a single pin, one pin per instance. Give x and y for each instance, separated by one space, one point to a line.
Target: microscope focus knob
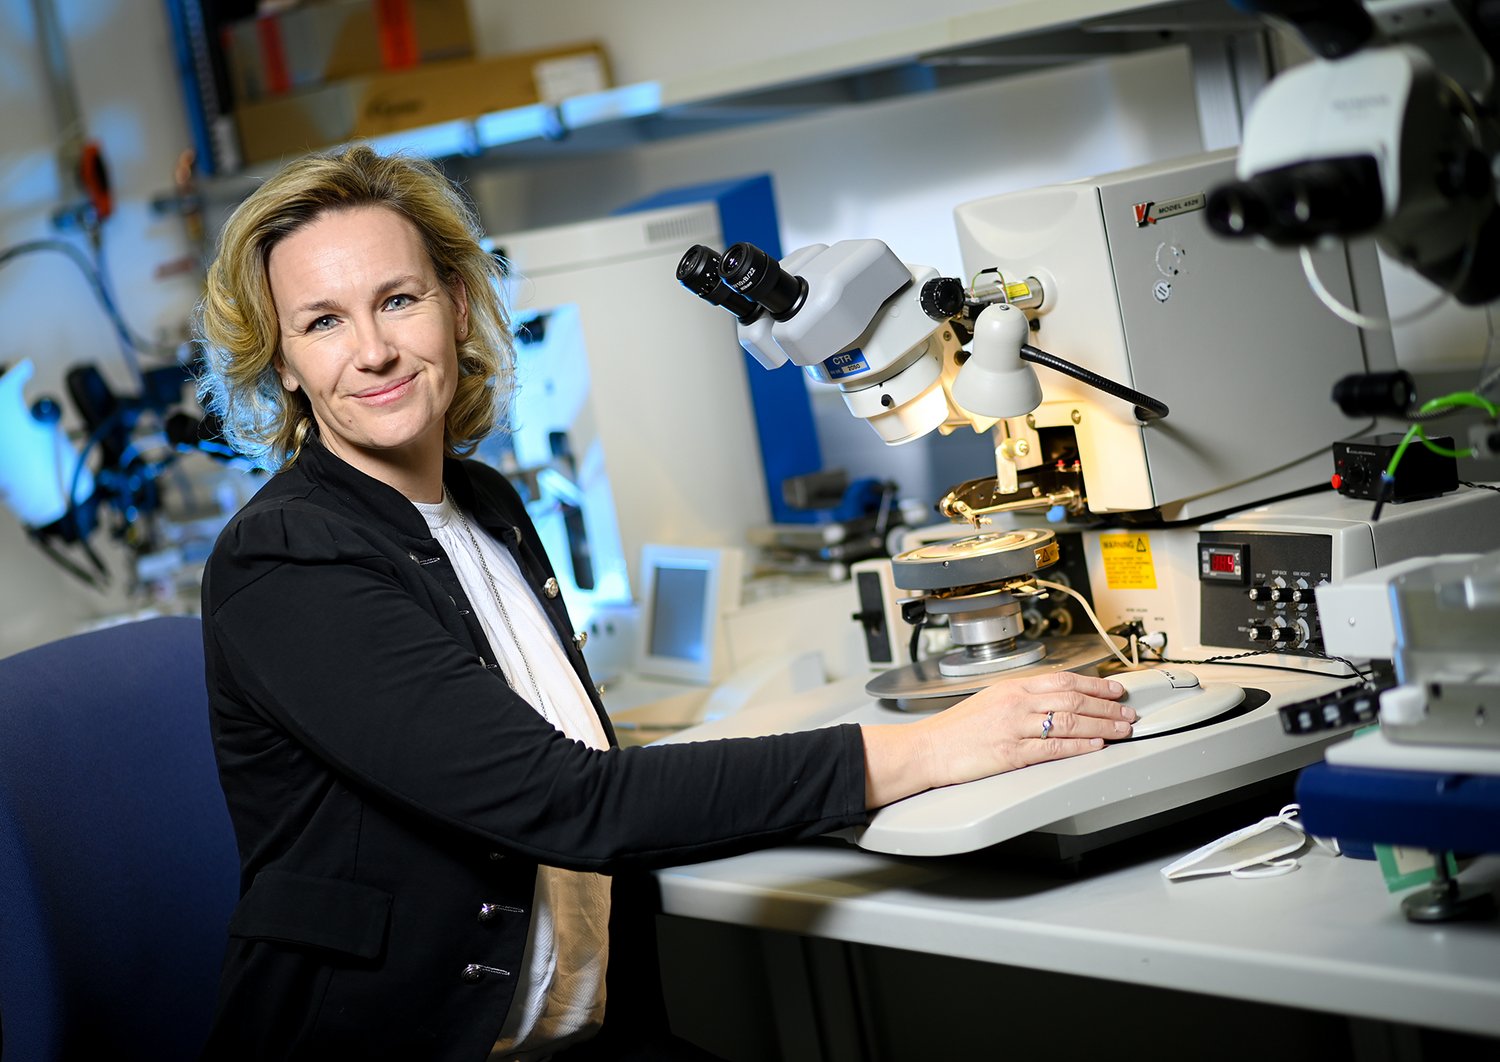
942 298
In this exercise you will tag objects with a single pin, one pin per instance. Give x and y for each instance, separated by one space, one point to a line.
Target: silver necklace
536 690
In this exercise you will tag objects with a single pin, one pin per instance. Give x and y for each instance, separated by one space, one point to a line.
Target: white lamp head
995 382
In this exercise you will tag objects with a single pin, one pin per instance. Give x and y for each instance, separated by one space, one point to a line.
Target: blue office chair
118 867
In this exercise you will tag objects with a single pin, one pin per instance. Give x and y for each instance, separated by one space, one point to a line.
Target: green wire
1411 433
1458 398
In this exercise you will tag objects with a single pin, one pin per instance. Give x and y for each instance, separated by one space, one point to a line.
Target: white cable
1361 320
1273 869
1289 815
1090 613
1282 859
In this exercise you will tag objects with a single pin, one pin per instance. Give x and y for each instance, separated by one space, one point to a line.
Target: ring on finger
1047 725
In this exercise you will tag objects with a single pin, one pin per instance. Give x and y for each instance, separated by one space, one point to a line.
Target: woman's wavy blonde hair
236 323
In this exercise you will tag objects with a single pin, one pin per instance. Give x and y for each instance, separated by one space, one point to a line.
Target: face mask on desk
1263 850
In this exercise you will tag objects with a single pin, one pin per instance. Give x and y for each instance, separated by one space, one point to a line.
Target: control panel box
1257 589
1358 465
1258 572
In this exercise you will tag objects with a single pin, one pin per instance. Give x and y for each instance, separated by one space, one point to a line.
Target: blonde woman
442 845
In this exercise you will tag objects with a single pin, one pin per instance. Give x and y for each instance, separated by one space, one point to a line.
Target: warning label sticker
1127 561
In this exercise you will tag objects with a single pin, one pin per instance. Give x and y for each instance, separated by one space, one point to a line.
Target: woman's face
369 334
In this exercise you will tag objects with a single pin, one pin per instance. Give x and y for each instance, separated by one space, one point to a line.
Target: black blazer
392 796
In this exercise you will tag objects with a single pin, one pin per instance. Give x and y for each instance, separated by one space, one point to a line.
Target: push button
550 587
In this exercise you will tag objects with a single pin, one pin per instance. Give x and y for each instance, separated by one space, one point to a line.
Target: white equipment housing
1227 335
661 456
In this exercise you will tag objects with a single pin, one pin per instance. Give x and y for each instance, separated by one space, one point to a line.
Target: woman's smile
387 393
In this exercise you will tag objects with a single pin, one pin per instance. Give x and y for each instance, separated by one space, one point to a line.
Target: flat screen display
678 613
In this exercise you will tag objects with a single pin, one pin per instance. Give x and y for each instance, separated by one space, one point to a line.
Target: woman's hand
1013 723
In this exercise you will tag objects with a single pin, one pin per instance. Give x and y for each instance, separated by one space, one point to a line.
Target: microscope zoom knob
942 298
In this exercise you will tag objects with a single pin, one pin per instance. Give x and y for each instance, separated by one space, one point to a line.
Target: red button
1337 481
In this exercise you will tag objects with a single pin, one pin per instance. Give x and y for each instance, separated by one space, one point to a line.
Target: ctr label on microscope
846 364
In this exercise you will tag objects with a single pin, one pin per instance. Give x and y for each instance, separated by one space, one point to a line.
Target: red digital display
1223 562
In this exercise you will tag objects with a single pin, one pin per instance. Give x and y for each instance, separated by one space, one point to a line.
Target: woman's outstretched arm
998 729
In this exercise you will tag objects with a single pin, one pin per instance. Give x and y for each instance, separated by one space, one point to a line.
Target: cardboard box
387 103
311 45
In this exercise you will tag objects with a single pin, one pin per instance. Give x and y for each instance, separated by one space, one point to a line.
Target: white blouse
560 994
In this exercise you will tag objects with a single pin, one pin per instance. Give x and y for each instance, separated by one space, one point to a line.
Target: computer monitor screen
680 596
687 591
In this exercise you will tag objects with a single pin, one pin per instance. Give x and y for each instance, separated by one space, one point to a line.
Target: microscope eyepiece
698 271
1298 204
1237 210
1376 394
754 273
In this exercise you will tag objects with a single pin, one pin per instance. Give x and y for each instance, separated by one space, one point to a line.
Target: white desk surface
1325 937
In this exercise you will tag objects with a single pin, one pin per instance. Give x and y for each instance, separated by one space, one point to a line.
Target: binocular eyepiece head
698 271
1298 204
746 281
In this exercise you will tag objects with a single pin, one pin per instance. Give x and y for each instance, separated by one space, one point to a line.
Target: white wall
892 170
127 90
